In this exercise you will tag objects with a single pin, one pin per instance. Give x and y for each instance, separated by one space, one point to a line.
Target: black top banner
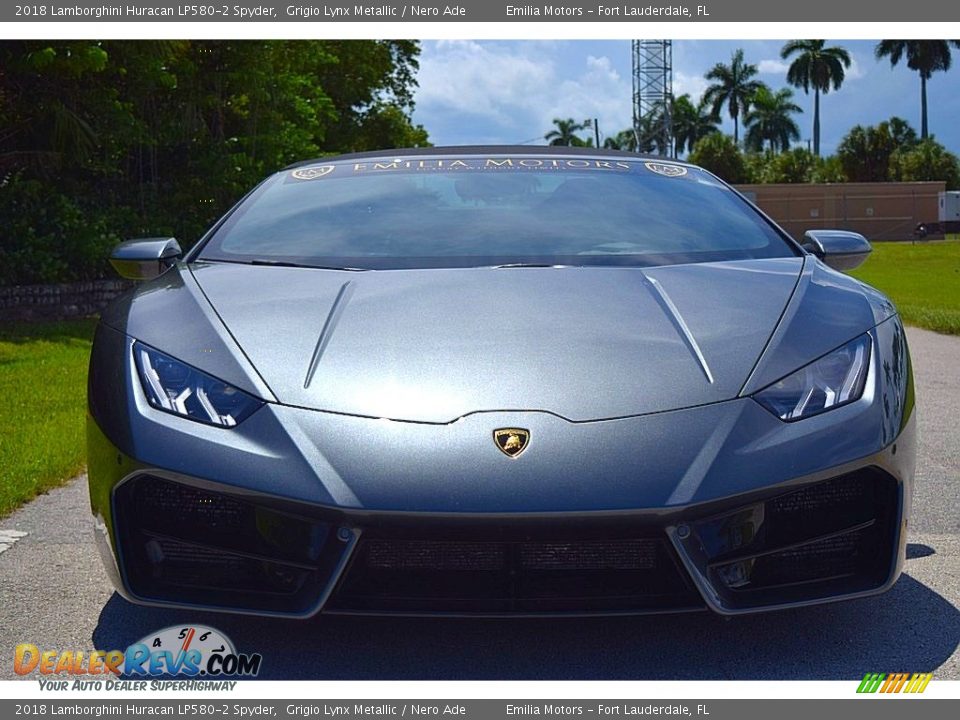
703 11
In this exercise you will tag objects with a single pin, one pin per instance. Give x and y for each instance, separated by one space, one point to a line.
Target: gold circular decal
667 170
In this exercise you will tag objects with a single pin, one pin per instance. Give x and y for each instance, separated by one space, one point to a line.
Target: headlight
834 380
177 388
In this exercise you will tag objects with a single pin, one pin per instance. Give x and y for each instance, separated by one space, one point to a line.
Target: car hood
434 345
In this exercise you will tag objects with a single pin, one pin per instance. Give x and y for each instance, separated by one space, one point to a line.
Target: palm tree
623 140
734 87
924 56
865 153
690 123
768 119
650 136
565 132
819 67
903 135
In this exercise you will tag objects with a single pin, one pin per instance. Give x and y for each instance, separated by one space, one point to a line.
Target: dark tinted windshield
461 212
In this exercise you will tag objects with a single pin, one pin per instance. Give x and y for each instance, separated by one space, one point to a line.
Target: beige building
880 211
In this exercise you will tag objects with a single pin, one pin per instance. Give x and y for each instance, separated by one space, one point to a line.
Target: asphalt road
54 593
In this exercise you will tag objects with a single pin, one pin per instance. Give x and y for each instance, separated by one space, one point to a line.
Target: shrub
720 155
48 237
929 160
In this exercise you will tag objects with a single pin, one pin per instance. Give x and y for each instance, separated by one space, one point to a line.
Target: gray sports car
499 381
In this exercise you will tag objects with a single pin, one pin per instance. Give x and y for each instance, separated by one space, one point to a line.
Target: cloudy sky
496 92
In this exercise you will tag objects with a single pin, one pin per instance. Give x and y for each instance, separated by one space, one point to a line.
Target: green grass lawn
43 388
923 279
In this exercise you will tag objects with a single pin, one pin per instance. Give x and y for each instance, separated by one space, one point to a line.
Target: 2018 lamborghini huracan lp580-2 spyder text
499 381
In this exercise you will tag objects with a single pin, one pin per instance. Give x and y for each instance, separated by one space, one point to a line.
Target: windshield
421 212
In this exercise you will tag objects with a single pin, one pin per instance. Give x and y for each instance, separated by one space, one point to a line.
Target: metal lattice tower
652 92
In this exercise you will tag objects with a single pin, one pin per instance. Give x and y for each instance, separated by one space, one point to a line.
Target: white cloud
598 92
773 67
692 84
463 76
855 71
517 90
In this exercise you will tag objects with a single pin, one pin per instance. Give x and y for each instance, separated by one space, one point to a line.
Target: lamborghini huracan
499 381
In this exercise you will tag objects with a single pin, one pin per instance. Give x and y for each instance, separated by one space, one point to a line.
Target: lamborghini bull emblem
511 441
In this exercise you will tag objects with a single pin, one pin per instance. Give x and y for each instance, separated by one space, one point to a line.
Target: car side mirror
840 249
146 258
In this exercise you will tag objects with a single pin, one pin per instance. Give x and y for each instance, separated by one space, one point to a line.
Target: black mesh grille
190 565
480 556
833 557
813 499
523 575
384 555
190 505
590 555
823 508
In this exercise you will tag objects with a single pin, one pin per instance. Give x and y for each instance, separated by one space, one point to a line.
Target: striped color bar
918 683
894 682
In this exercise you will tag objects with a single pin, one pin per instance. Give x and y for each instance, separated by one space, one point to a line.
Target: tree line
102 141
891 150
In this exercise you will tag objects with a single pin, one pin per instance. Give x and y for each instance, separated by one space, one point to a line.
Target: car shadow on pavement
909 629
918 550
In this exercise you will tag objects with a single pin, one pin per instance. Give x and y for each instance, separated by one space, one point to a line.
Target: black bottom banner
873 707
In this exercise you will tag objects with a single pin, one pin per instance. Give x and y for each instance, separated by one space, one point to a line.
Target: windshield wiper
527 265
287 263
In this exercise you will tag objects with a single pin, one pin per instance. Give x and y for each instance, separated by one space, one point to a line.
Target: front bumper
182 543
295 511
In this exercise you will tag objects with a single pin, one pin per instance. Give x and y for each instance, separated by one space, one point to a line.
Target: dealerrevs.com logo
194 651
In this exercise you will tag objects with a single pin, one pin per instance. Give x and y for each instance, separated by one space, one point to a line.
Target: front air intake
189 544
829 538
